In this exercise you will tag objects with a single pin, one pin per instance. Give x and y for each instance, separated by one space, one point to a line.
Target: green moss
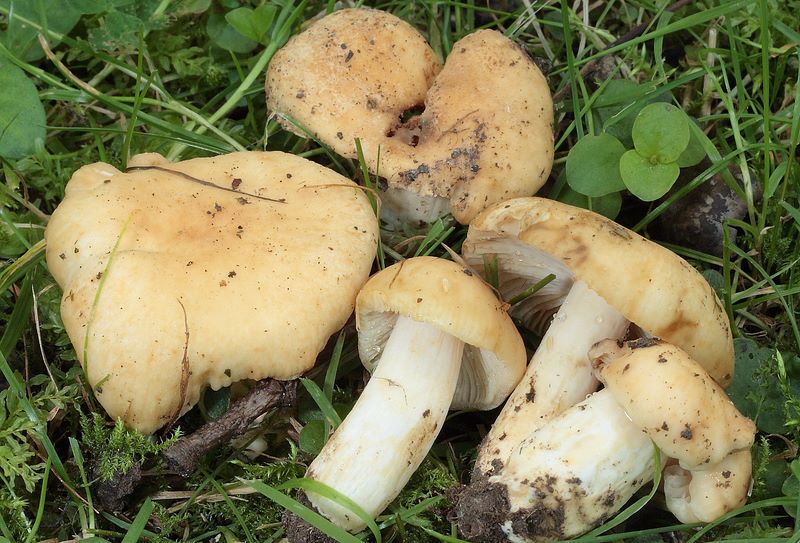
116 448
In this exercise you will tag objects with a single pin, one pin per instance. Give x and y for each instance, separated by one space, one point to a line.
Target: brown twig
184 455
634 32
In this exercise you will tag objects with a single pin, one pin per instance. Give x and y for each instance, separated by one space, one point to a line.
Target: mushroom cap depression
648 284
485 134
446 295
204 272
672 398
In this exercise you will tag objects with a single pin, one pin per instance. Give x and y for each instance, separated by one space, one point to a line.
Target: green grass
161 76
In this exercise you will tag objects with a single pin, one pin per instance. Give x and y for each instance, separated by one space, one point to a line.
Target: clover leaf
660 132
253 24
593 165
646 178
620 103
694 152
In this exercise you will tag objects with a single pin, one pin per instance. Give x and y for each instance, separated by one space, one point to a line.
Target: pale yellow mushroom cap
484 136
446 295
705 494
674 400
350 75
651 286
172 284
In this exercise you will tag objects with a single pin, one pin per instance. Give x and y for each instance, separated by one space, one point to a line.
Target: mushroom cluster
663 387
484 133
181 276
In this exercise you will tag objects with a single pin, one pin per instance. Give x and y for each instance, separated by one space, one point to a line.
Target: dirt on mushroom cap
651 286
671 398
486 130
185 275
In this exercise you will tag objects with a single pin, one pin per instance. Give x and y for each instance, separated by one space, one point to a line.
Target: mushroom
485 132
204 272
579 468
698 425
435 337
605 277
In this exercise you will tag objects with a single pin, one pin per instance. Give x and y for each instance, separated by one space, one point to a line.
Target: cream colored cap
350 75
651 286
485 135
674 400
705 494
446 295
204 272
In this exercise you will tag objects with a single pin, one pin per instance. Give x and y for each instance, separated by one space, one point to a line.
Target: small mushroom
696 424
484 133
605 277
434 337
708 492
204 272
550 488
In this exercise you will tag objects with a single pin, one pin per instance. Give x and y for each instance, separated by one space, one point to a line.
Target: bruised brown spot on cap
686 433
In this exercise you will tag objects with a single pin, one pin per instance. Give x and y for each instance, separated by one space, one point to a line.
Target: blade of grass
683 23
79 461
96 301
330 376
332 494
308 515
322 402
18 320
227 499
372 196
533 289
21 265
139 522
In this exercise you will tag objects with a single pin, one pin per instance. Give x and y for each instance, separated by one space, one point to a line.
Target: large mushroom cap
204 272
672 398
444 294
648 284
485 134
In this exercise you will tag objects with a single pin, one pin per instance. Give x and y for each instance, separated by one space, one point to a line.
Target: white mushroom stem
558 376
406 208
568 476
385 437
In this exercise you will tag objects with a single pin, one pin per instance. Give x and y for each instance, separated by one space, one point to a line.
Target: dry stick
634 32
184 455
